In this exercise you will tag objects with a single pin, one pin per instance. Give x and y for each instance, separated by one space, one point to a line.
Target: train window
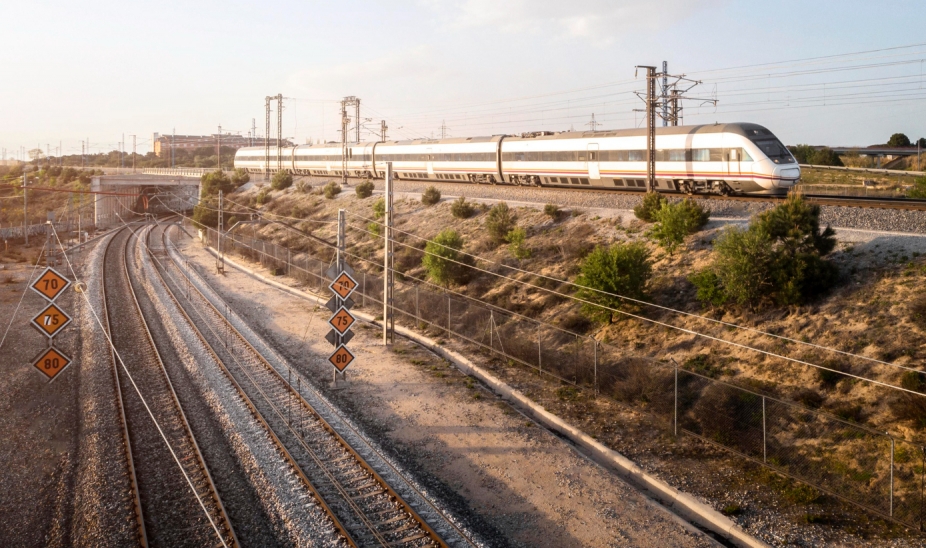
636 155
676 155
581 155
744 156
548 156
532 156
716 154
700 155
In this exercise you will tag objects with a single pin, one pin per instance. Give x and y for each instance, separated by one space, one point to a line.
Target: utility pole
662 104
81 154
218 150
443 129
25 211
267 138
382 130
357 118
593 124
345 125
280 132
253 134
173 137
388 263
651 105
133 154
122 152
665 93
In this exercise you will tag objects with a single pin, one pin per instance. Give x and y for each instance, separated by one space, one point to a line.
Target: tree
499 222
430 196
379 208
240 177
516 237
364 189
898 140
676 220
281 180
214 181
443 261
647 209
778 258
921 142
807 154
609 273
461 209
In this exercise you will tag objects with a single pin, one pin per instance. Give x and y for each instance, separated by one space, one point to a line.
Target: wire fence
859 465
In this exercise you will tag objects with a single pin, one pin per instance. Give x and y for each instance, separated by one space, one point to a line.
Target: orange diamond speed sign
51 362
341 321
343 285
341 358
51 320
50 284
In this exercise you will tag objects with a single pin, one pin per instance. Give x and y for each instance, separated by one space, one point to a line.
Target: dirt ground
529 485
38 420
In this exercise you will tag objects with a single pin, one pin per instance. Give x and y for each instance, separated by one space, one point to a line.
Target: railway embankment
875 313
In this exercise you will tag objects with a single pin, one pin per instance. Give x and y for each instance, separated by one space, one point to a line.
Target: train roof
739 128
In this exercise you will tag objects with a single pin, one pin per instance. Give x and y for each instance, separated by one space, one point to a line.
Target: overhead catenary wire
135 386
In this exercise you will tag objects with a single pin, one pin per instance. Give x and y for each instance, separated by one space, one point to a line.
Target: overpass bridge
122 196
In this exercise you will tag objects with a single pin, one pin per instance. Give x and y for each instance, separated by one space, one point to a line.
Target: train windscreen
775 151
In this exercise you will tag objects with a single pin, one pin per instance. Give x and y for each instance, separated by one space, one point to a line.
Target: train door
593 158
733 159
430 160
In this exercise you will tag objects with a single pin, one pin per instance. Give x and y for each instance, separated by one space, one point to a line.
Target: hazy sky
77 70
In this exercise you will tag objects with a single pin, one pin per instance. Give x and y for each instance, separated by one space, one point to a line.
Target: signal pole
382 130
665 93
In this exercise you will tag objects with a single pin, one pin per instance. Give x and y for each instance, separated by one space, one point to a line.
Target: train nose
787 176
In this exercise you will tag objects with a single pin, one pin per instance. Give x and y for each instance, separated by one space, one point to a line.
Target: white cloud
602 21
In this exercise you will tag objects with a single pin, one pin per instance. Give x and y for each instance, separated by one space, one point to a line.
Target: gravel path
515 483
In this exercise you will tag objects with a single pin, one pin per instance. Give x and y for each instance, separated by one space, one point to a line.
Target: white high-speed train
719 158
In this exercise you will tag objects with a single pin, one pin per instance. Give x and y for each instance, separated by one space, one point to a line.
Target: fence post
764 445
595 372
675 404
539 352
892 477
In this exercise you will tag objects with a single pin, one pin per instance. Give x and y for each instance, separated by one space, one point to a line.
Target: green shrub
214 181
262 197
281 180
778 258
364 189
647 209
676 220
906 406
430 196
620 270
332 189
379 208
499 222
442 259
461 209
240 177
807 154
375 228
515 239
918 190
552 210
304 187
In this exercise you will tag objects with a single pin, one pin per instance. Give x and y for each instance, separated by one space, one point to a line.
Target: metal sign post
49 322
342 286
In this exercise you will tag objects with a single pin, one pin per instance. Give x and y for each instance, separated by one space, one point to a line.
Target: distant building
163 143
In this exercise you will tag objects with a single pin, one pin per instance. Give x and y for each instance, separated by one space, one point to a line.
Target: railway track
361 504
176 500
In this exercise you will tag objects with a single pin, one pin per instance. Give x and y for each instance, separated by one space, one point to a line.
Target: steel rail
201 461
127 444
253 408
229 532
267 368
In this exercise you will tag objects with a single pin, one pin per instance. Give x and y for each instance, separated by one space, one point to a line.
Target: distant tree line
203 157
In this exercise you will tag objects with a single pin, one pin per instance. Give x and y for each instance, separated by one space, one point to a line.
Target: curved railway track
362 505
173 508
